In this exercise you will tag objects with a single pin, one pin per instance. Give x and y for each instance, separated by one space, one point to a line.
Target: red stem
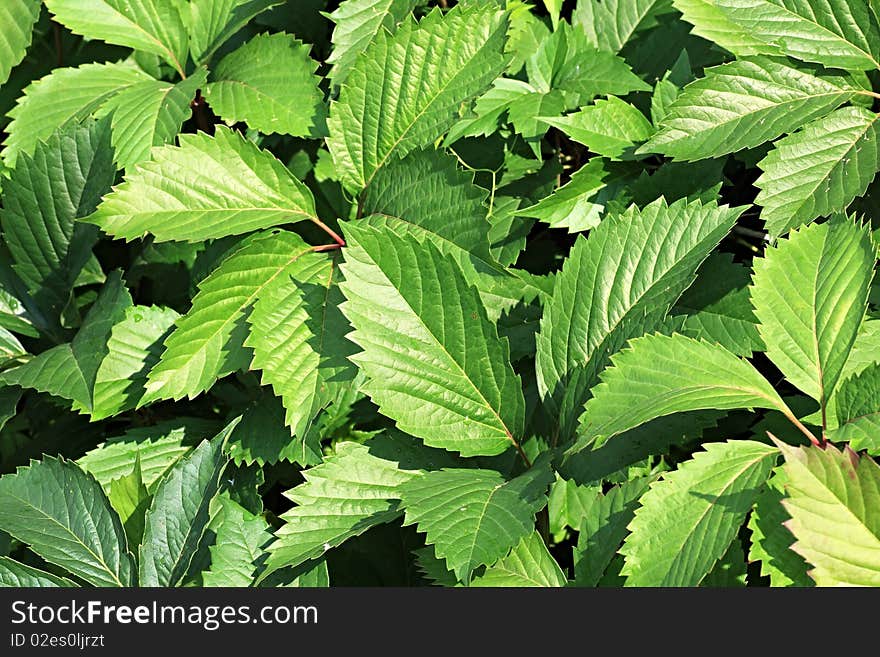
336 238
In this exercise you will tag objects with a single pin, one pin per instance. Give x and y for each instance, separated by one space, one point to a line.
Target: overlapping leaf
154 26
835 33
819 169
17 18
208 341
211 22
858 411
657 375
743 104
473 517
64 516
833 499
434 361
810 294
208 187
350 492
619 283
240 537
178 516
610 24
64 94
687 520
399 97
528 564
270 84
43 198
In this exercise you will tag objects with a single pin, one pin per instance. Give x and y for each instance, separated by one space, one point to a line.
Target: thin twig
333 234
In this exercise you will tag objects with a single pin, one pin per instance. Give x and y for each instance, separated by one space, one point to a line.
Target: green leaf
397 99
835 33
658 375
444 377
261 436
43 197
714 24
608 127
178 516
130 499
357 23
632 267
581 202
740 105
474 517
603 527
818 170
69 370
298 338
810 294
18 575
133 349
212 22
528 564
428 189
771 541
149 114
157 448
241 536
153 26
208 341
833 499
208 187
688 519
64 94
17 18
858 411
610 24
270 84
351 491
64 516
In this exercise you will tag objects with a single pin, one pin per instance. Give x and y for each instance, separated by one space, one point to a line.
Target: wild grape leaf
810 293
603 527
211 22
69 370
610 24
66 93
818 170
743 104
351 491
208 341
157 448
149 114
357 23
17 18
631 268
473 517
133 349
528 564
609 127
206 188
835 33
771 540
858 411
241 536
711 22
270 84
833 499
298 336
64 516
688 519
154 26
658 375
443 376
43 197
18 575
178 516
396 99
